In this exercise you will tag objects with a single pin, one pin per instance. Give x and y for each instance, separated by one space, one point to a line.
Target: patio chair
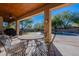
5 42
18 50
10 48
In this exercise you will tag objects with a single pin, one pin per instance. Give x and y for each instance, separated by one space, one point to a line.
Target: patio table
36 38
28 38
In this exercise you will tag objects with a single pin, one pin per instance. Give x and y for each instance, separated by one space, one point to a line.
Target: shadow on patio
53 51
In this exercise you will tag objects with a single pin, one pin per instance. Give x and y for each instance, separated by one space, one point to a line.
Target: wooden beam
60 6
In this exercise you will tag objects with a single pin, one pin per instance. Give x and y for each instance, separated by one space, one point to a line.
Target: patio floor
66 45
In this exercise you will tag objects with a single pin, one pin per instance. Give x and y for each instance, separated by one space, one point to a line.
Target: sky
72 8
40 18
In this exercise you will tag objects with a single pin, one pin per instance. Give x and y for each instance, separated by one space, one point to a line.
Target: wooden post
47 27
17 27
1 23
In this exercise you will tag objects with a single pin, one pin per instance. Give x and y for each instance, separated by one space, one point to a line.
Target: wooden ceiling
13 11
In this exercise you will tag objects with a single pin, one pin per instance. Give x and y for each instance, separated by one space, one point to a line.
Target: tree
39 26
56 21
25 23
63 19
67 18
29 26
75 18
42 26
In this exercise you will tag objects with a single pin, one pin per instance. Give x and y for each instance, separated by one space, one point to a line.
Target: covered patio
18 12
